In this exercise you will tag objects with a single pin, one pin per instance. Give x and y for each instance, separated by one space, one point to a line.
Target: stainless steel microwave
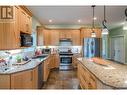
26 40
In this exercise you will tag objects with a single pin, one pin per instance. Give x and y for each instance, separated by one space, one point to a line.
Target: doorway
118 49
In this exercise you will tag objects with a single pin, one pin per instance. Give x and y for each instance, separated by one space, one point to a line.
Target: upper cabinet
43 36
76 37
40 41
86 32
65 34
52 36
26 22
11 24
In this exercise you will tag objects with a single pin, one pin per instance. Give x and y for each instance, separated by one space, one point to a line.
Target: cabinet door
40 38
4 81
17 27
9 33
22 21
1 36
57 60
46 70
54 37
76 37
35 78
68 34
28 24
62 34
22 80
86 32
47 37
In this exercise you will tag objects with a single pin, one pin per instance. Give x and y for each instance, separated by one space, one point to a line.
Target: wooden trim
26 10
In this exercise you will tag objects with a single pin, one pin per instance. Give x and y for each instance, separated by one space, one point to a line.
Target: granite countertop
113 74
30 65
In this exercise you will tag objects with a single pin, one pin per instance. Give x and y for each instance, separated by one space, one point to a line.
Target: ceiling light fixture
79 20
93 34
104 30
125 23
50 20
95 18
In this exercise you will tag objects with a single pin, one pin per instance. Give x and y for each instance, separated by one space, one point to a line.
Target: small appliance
26 40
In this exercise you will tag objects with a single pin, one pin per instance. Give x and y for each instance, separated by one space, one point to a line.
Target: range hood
65 42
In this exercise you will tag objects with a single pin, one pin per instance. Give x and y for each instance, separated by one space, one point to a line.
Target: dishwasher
40 76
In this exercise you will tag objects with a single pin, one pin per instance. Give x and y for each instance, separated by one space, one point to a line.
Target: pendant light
104 30
93 34
125 23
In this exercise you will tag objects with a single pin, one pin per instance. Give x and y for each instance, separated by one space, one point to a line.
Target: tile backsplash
5 54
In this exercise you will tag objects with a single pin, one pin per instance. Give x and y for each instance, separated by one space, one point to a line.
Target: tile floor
62 80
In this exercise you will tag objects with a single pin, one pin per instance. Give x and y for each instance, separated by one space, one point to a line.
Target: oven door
67 60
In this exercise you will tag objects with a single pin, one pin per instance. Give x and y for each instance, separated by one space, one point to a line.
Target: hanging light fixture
104 30
93 34
125 23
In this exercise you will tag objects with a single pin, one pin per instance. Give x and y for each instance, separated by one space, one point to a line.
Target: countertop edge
25 69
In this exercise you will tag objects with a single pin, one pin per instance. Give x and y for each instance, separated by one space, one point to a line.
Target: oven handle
66 56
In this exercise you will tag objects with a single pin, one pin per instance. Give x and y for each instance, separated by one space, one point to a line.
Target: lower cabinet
74 62
24 80
87 80
51 62
46 68
4 81
55 61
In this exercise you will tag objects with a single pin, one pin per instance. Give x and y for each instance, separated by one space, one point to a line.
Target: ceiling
69 15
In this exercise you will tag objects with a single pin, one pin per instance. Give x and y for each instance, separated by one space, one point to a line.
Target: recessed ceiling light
50 20
79 20
95 18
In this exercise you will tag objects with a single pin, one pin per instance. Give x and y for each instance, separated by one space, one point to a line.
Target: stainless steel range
65 58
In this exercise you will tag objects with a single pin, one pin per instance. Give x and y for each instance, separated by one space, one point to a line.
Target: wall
35 23
119 31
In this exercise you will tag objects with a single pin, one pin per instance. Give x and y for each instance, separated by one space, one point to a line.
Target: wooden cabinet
54 38
74 62
26 22
55 61
51 62
22 80
63 33
4 81
47 37
22 21
43 37
40 41
9 33
76 37
10 29
87 80
46 69
86 32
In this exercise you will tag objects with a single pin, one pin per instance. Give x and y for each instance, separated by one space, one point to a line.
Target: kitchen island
98 75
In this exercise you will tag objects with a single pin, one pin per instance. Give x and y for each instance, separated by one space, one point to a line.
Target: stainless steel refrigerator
91 47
